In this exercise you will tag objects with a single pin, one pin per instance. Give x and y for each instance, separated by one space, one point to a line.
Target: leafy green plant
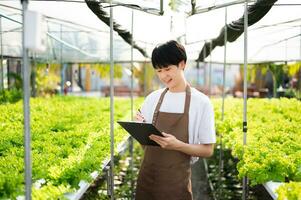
70 140
10 96
18 82
47 78
273 145
289 191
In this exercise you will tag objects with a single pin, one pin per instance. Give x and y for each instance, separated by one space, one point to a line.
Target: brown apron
165 174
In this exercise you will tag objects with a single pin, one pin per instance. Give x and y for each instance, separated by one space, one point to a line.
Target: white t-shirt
201 114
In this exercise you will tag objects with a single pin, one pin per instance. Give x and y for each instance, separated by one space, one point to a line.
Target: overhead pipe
221 161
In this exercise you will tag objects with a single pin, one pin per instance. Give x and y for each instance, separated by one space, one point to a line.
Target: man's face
170 75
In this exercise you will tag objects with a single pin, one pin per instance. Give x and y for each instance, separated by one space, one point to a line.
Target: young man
186 119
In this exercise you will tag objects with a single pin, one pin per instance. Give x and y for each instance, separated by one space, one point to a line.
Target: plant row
70 138
273 150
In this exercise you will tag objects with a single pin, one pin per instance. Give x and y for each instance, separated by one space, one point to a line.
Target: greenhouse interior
71 69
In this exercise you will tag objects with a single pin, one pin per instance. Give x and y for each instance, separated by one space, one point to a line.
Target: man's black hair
169 53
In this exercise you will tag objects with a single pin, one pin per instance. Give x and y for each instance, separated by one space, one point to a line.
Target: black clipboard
141 131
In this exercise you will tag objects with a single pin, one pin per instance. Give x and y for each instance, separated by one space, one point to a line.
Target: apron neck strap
187 103
158 106
187 99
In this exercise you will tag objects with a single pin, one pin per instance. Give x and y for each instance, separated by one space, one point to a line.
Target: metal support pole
61 61
108 177
132 108
245 179
111 101
63 73
26 108
1 64
300 42
221 163
210 70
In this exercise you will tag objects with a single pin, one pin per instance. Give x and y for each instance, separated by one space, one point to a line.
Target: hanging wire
131 141
274 43
66 23
210 70
148 10
74 25
221 163
11 7
200 9
277 24
114 4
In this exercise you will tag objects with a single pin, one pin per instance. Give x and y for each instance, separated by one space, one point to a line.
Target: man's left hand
167 142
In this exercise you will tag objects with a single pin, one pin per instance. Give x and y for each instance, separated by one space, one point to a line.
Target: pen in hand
139 116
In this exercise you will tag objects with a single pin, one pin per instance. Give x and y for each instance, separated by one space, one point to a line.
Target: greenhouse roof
85 38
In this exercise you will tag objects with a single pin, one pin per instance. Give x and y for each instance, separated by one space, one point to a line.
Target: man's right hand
139 116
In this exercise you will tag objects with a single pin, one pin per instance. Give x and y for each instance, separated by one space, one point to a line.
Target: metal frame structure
199 10
137 7
26 97
221 164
